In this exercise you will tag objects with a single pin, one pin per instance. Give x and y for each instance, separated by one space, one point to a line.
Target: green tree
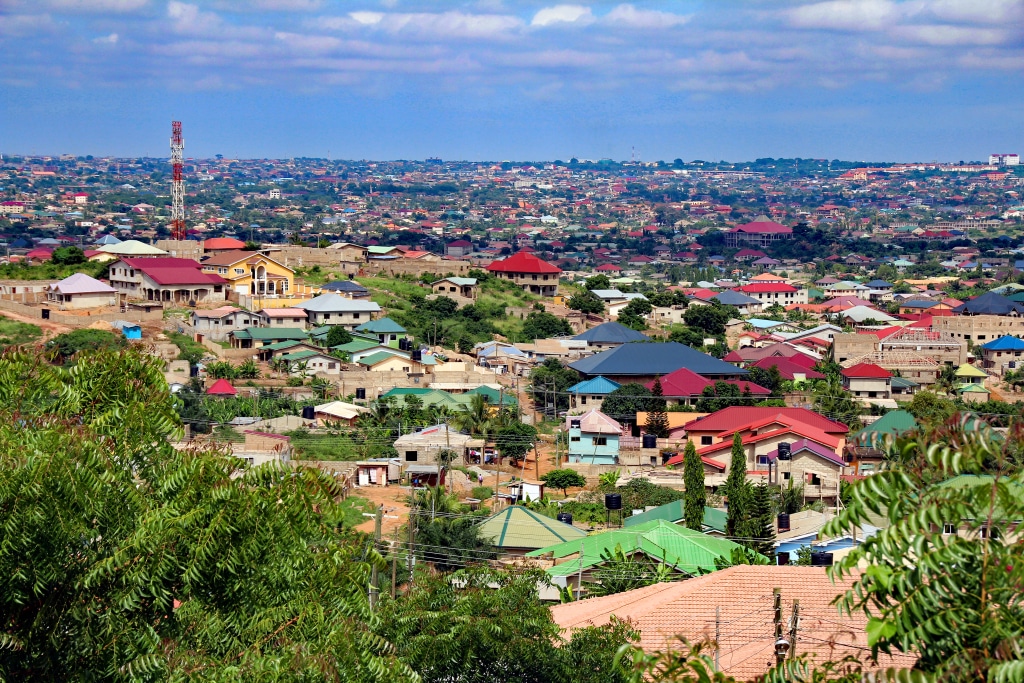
515 440
759 527
835 403
549 382
709 320
336 336
657 418
619 572
956 605
696 495
625 402
64 346
67 256
564 479
542 325
221 369
124 558
599 282
586 302
634 314
931 409
247 369
737 488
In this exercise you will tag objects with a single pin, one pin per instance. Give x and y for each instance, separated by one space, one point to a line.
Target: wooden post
374 588
794 626
718 637
777 619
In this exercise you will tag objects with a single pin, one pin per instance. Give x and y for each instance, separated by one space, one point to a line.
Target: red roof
759 287
168 270
608 268
460 243
763 227
523 262
39 254
787 368
866 370
223 243
685 382
728 418
221 387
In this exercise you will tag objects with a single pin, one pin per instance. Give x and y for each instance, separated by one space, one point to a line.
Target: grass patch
188 348
49 271
15 333
354 507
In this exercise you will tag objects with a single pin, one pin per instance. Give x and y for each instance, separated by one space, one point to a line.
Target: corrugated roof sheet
518 527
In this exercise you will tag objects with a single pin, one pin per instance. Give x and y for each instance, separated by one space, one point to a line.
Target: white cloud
97 5
628 15
943 35
977 11
846 15
563 14
437 26
108 40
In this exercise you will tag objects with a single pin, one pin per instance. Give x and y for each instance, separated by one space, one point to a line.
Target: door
364 478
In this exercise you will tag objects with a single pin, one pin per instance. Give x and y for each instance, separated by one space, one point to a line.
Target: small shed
526 490
377 472
129 330
421 476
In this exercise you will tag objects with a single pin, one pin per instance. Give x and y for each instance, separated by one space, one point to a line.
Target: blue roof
611 333
762 324
597 385
648 359
731 298
1006 343
879 284
344 286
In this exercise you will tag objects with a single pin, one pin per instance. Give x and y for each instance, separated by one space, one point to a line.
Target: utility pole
780 654
374 588
412 536
794 626
718 636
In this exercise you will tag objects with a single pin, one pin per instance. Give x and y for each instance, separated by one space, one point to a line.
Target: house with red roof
221 387
458 248
685 387
748 255
793 368
868 381
769 293
215 245
533 274
608 268
166 279
761 232
761 431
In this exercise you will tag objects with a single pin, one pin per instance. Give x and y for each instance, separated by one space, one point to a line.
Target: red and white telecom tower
177 183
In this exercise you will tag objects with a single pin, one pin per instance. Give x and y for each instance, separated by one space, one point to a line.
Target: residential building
529 272
334 309
770 293
867 381
593 438
283 317
251 273
216 324
166 279
81 291
590 393
459 248
1002 355
747 305
517 530
465 287
761 232
338 412
348 288
609 336
386 330
685 387
422 447
643 362
256 337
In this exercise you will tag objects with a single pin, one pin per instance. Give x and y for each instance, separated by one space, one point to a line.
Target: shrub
482 492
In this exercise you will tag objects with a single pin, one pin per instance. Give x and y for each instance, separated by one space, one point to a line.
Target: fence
84 320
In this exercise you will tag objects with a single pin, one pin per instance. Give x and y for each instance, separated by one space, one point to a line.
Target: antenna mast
177 183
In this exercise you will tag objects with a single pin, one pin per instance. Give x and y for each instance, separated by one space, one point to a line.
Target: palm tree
475 417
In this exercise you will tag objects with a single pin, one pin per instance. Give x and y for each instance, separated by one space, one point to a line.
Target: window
785 476
222 271
583 400
705 440
239 271
600 440
410 456
332 366
327 316
355 316
762 460
218 288
574 424
948 529
574 438
989 532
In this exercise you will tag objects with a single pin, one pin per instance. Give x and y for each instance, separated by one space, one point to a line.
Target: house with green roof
271 351
865 449
256 337
517 530
386 330
713 524
971 385
307 363
685 551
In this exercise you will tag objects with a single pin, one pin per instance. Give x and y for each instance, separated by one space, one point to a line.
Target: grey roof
989 303
335 303
611 333
345 286
879 284
661 358
731 298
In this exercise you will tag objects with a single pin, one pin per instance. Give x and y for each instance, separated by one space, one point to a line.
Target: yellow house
252 273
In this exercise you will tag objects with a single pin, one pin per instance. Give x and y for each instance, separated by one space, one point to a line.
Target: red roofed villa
868 381
533 274
761 232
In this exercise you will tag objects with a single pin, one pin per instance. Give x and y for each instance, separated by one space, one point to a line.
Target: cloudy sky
515 79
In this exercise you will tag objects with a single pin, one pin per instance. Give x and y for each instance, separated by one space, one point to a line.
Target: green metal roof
378 357
381 326
714 518
518 527
893 423
268 333
357 345
968 370
687 550
301 355
493 395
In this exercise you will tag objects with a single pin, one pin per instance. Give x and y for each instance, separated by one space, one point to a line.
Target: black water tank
613 501
308 413
193 371
361 393
785 452
783 522
821 559
650 441
417 354
403 344
666 456
564 517
783 557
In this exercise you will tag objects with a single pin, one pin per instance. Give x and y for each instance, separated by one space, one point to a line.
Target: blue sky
496 79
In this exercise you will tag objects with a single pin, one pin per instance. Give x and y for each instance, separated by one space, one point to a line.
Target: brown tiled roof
744 596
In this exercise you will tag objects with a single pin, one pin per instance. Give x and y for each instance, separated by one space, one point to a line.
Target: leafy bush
482 492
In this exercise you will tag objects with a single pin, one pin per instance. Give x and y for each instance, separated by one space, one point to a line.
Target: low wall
417 267
229 354
84 320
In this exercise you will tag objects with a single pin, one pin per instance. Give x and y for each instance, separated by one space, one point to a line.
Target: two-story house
251 273
868 381
167 279
593 438
769 293
533 274
334 309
